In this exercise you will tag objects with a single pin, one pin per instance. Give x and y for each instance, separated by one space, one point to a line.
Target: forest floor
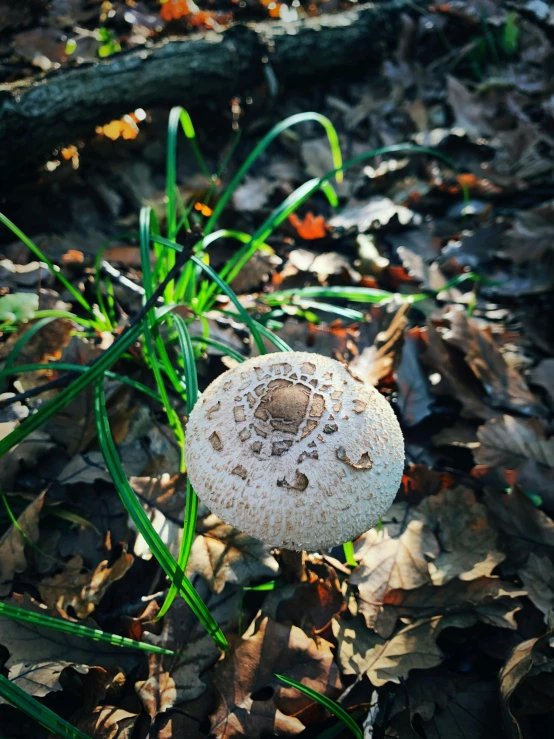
443 626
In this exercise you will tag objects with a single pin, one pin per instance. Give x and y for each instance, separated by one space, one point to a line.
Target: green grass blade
68 367
18 698
353 294
43 258
142 522
302 193
179 117
335 708
191 500
68 627
262 146
348 548
95 370
20 345
224 348
245 315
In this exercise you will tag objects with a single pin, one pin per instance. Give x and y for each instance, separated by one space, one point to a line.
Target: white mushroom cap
295 450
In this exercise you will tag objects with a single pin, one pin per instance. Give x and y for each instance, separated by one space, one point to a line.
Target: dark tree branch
37 115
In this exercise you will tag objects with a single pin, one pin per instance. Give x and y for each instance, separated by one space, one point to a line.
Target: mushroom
296 450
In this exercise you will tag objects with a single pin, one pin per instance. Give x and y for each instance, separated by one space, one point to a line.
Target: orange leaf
312 227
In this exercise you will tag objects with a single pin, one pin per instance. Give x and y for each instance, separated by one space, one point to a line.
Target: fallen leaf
503 384
181 632
32 645
473 712
221 554
108 722
252 195
396 556
159 692
41 678
250 699
381 359
543 376
80 592
28 453
451 375
310 227
538 578
379 211
509 441
523 526
489 598
311 605
362 652
415 401
529 661
467 541
12 544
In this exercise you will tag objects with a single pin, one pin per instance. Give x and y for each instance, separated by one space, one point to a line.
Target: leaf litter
443 629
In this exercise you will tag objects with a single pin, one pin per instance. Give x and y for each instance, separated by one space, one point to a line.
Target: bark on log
38 115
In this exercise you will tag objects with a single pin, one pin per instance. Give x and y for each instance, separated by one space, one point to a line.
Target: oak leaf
251 701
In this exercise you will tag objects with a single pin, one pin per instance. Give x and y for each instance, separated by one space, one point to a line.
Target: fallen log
40 114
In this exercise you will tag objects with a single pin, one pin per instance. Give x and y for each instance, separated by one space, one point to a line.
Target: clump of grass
178 281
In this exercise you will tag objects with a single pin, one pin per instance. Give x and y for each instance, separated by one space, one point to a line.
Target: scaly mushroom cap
295 450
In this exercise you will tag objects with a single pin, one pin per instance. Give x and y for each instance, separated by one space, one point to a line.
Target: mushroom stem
293 565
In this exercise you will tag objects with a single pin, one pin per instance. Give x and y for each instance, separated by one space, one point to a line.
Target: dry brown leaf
528 660
414 397
251 700
524 527
538 578
396 556
380 360
222 554
12 544
489 598
32 645
543 375
28 452
108 722
182 633
362 652
159 692
41 678
503 384
467 542
454 378
509 441
473 712
82 591
310 605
